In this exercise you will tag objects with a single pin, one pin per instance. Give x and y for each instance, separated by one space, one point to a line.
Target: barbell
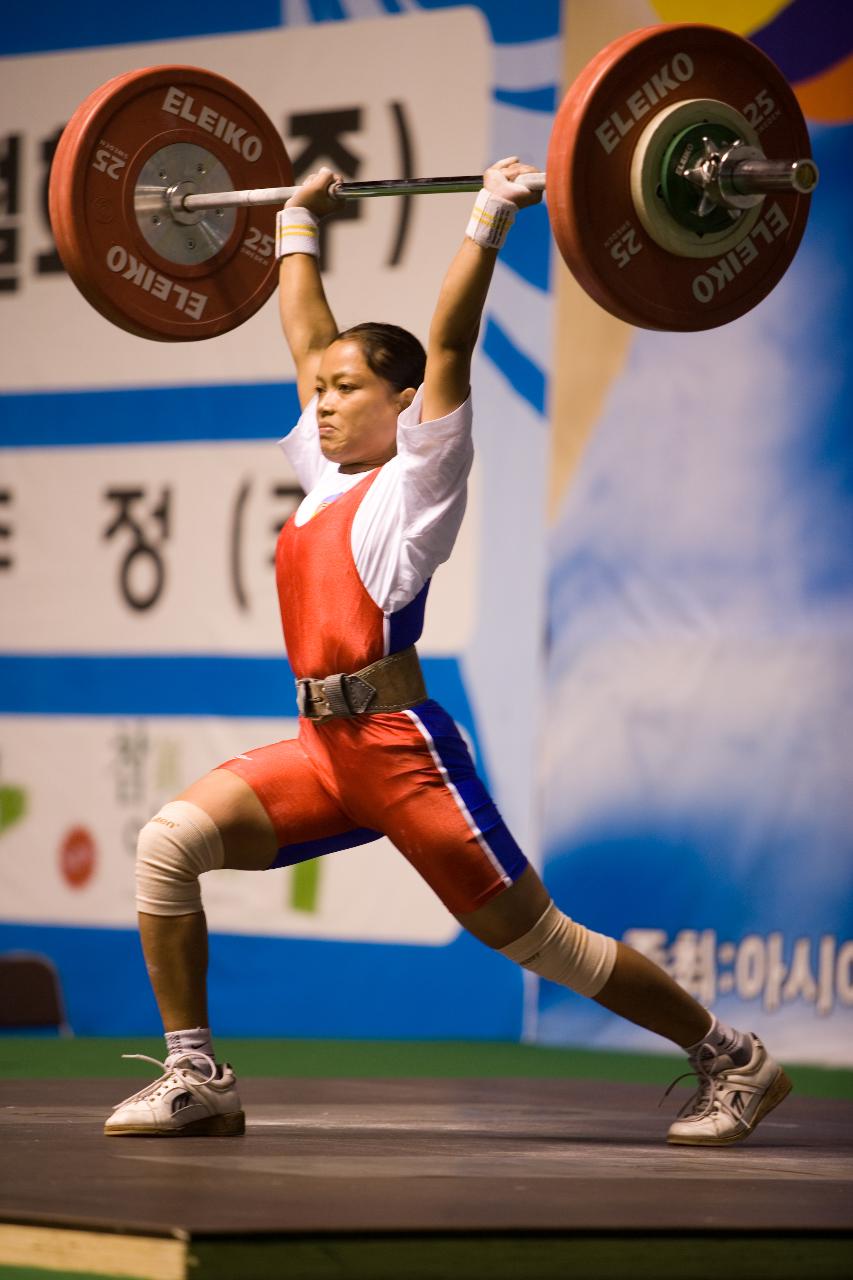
675 207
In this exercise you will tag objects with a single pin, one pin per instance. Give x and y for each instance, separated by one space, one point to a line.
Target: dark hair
390 352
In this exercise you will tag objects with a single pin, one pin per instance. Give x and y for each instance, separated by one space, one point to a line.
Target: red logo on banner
77 856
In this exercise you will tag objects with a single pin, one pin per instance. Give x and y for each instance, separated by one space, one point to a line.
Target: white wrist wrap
296 231
491 218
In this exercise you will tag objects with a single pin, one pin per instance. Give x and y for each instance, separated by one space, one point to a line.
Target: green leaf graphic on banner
13 806
305 886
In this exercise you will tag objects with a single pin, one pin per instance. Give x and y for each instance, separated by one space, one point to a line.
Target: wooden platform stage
528 1178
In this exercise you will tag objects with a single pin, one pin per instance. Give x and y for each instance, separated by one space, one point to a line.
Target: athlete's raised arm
306 316
456 320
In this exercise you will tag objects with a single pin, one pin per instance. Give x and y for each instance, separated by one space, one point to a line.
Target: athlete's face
356 410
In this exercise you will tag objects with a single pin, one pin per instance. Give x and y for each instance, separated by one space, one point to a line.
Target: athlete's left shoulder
437 440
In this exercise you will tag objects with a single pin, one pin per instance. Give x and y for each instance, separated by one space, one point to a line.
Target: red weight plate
68 217
590 205
62 217
108 150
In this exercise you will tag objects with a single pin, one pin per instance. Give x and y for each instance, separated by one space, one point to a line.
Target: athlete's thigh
509 914
283 798
438 813
248 836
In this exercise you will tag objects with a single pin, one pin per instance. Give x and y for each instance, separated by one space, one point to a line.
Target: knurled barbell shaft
351 190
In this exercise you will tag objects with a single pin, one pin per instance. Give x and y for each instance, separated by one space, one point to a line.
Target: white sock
723 1039
196 1040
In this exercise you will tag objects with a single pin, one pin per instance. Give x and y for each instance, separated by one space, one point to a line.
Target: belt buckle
311 699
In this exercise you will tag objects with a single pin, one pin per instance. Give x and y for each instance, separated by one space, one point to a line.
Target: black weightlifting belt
391 684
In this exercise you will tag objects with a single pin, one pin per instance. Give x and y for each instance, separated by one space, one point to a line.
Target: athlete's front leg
217 822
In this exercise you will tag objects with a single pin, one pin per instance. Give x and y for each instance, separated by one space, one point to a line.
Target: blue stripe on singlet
290 854
405 626
450 747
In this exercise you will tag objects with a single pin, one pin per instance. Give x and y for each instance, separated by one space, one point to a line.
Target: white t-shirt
407 522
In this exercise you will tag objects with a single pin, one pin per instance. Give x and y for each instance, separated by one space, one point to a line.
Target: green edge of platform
39 1057
545 1257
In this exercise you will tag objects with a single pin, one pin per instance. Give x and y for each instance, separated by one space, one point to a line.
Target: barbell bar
673 208
744 177
352 190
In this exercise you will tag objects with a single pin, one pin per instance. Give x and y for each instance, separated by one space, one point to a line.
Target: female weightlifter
383 450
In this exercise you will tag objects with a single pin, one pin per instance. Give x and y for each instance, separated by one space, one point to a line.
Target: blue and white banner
674 732
698 778
141 491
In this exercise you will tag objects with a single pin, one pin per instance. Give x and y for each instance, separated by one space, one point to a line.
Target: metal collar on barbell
745 174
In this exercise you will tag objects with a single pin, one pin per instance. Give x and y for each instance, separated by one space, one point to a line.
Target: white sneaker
730 1100
187 1101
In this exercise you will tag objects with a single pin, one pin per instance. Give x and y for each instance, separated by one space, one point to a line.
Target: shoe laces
187 1075
700 1102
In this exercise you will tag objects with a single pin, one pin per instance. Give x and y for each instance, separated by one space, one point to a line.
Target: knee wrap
559 949
178 845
